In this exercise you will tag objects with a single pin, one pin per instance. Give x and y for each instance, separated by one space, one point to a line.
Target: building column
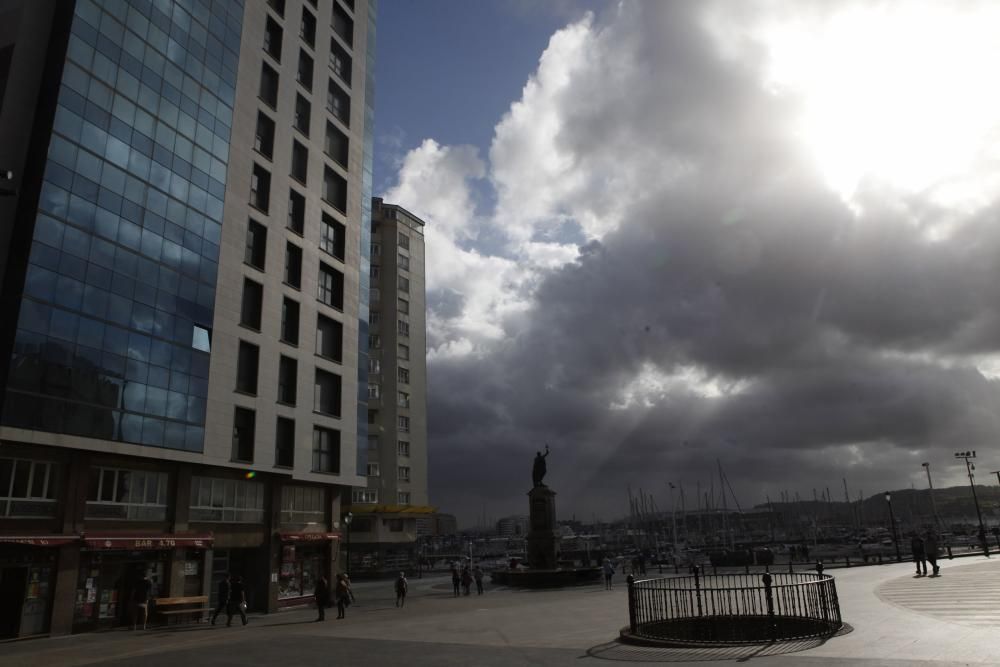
64 593
272 543
180 501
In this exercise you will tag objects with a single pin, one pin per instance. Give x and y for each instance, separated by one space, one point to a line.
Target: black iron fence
734 608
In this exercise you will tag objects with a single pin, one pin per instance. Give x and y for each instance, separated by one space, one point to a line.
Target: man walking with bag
322 595
237 601
223 602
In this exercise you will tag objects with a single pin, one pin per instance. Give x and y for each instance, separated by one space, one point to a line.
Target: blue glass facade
113 333
366 239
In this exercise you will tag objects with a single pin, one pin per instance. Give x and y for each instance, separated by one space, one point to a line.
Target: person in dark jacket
401 588
343 595
467 580
917 549
140 601
456 579
477 574
223 602
931 551
237 601
322 595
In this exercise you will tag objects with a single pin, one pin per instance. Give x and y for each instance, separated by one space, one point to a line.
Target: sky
662 235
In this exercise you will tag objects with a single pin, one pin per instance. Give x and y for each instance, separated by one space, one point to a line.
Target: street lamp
930 485
347 522
969 467
892 520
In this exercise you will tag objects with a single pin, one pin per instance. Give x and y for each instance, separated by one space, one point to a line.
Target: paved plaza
897 620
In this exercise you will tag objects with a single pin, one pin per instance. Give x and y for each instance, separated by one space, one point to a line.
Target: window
403 473
303 504
260 188
403 399
373 391
340 62
272 39
374 365
307 28
304 74
338 103
336 144
373 272
27 488
373 470
300 162
302 111
403 328
264 138
403 306
374 317
403 447
201 338
326 450
332 237
403 240
374 341
403 424
284 442
278 6
404 284
331 286
290 321
403 375
253 299
404 497
228 500
403 261
364 496
343 26
376 251
288 373
374 296
329 338
403 351
296 212
293 265
372 416
133 495
334 189
269 86
256 249
327 393
247 364
243 434
372 442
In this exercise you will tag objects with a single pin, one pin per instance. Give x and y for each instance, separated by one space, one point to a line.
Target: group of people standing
925 549
342 595
462 580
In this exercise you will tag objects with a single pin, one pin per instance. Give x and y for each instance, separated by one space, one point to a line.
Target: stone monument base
558 578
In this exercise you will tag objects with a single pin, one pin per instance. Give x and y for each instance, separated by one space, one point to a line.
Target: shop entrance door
12 587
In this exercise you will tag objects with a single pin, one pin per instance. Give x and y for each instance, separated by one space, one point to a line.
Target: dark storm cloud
843 336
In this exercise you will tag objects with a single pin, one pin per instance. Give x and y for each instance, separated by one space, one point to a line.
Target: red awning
141 542
308 537
39 540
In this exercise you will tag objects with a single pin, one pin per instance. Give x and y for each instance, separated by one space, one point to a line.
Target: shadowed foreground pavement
897 620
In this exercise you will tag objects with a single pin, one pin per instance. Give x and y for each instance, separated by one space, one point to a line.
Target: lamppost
969 467
930 485
347 522
892 520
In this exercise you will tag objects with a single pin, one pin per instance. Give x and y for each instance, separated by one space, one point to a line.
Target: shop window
243 434
326 450
332 237
133 495
288 374
327 393
284 443
27 488
301 567
329 338
229 500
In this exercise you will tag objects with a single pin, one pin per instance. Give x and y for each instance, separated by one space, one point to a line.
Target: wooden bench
179 607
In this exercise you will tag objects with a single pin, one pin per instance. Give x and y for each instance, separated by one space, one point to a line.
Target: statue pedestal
543 538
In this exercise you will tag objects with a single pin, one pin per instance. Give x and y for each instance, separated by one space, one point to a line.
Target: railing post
630 580
847 561
949 552
697 587
772 627
790 569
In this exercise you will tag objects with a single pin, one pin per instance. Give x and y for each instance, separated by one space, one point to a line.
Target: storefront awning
139 542
308 537
39 540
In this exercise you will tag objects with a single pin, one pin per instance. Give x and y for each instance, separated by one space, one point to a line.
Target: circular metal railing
733 608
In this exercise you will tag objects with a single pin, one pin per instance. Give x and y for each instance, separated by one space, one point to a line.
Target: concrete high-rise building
184 256
391 512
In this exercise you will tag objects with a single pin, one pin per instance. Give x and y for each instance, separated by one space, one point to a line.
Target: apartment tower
184 299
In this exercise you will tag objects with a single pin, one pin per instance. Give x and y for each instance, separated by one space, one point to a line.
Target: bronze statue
538 471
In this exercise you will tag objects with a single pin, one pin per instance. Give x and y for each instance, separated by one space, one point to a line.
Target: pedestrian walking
223 602
931 552
609 571
917 549
237 601
322 595
343 595
140 600
478 575
456 579
467 580
401 588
